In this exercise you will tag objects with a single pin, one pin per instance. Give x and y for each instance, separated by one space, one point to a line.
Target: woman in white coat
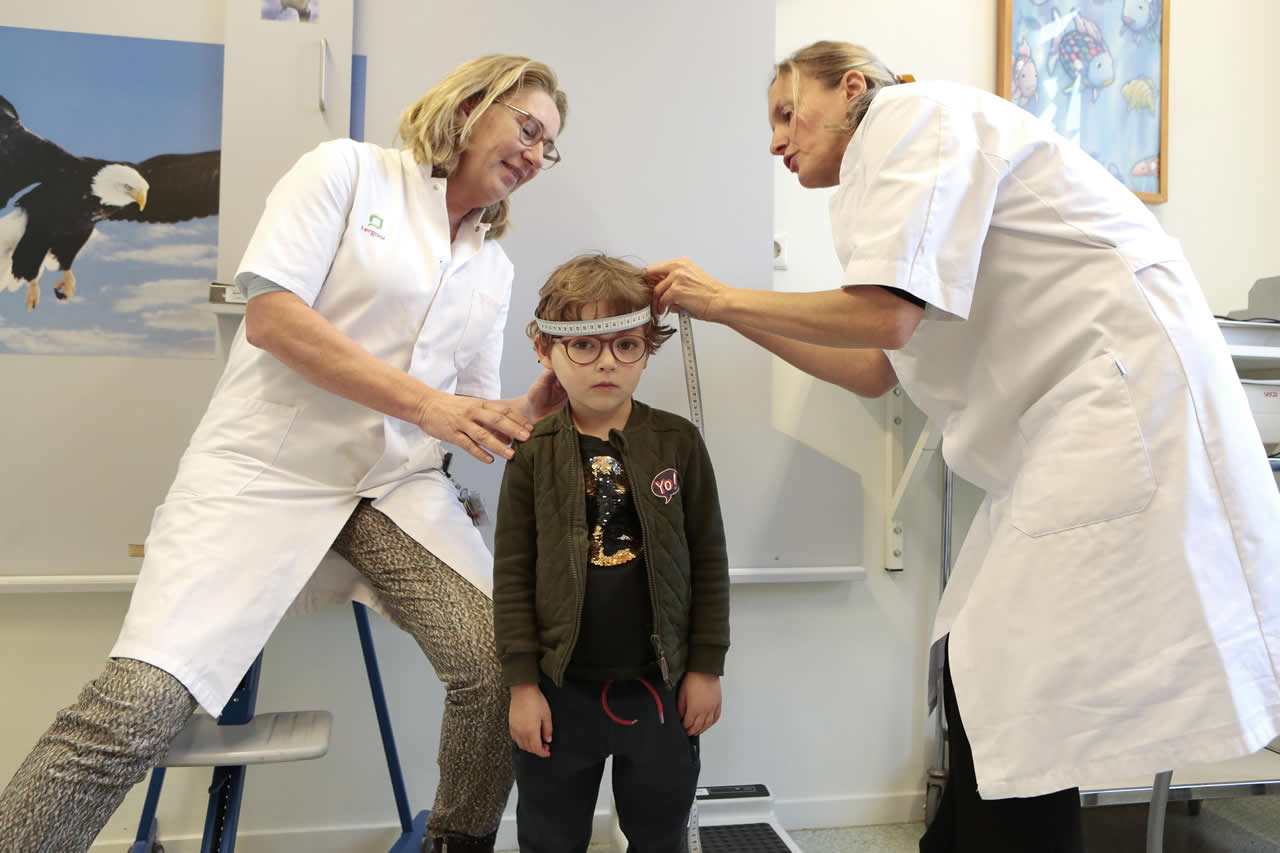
372 336
1115 609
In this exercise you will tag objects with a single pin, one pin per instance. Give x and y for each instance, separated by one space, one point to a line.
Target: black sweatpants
655 768
966 823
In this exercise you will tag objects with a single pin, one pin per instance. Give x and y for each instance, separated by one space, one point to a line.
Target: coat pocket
235 442
1084 456
482 316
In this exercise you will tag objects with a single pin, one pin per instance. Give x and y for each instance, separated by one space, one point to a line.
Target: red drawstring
604 703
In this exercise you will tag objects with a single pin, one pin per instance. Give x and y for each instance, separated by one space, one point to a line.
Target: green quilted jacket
540 547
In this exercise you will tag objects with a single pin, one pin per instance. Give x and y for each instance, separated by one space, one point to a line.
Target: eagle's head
302 7
117 185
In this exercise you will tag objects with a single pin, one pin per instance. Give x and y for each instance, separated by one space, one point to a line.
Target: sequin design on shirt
613 539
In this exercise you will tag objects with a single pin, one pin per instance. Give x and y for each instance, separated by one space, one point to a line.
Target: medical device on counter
1262 385
1264 302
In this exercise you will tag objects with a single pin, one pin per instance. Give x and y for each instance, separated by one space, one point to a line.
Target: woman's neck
456 208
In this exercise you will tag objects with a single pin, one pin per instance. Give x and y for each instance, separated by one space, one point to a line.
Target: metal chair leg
413 829
1155 812
146 838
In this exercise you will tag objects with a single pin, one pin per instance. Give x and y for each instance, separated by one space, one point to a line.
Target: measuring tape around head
608 325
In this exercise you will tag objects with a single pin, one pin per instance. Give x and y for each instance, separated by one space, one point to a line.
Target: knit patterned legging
121 725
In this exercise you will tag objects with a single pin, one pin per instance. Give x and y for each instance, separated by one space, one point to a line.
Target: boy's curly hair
586 280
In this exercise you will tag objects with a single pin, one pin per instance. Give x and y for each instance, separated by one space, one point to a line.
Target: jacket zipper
656 637
580 500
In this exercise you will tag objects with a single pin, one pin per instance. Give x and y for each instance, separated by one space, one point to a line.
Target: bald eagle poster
109 168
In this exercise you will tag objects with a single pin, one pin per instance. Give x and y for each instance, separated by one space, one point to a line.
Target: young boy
611 583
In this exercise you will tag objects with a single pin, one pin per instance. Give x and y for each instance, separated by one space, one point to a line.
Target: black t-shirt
617 617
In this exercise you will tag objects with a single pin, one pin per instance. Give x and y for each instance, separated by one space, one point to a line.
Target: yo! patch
666 485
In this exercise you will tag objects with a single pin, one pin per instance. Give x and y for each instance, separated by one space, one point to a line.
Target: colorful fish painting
1026 78
1084 55
1140 94
1147 168
1143 17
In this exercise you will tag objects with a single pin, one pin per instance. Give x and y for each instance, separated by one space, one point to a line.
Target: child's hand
530 719
699 701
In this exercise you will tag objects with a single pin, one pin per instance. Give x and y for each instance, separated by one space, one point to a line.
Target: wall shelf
30 584
67 583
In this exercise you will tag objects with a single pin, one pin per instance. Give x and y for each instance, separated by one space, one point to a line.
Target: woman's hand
683 285
473 424
530 720
699 701
544 396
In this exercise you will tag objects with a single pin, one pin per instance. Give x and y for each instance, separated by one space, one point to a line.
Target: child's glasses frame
586 349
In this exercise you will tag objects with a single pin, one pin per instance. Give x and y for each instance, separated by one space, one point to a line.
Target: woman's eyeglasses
531 131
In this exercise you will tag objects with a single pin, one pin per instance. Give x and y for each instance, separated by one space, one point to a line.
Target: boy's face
605 385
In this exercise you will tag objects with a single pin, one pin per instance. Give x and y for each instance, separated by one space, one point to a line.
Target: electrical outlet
779 251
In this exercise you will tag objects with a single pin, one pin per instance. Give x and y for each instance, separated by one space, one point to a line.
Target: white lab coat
277 465
1115 608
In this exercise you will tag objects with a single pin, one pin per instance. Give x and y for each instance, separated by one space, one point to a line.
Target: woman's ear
465 108
853 83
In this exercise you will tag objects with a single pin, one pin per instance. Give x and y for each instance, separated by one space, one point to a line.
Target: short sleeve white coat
277 465
1115 608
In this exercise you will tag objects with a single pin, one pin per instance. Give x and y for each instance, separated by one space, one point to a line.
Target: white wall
825 695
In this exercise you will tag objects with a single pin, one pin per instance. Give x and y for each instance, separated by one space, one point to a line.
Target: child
611 583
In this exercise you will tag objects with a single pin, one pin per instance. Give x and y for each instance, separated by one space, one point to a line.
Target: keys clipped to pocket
473 505
471 502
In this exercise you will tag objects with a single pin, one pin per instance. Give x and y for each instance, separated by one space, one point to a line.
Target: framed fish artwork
1098 71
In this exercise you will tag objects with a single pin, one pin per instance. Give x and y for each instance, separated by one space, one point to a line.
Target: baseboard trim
850 810
799 813
332 839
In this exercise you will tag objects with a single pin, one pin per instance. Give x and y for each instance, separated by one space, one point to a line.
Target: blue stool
238 738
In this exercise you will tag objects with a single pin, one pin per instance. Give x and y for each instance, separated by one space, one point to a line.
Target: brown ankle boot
460 844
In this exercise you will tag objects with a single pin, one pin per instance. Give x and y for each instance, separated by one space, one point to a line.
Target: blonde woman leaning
372 336
1115 609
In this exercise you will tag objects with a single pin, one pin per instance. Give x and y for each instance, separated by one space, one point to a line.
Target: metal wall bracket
900 476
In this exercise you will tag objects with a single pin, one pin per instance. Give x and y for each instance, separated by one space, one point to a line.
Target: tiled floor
899 838
1244 825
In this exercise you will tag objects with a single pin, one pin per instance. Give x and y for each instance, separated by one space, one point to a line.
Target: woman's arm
865 372
283 325
862 317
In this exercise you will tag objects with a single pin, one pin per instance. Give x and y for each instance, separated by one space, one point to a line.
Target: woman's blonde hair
437 131
590 279
828 62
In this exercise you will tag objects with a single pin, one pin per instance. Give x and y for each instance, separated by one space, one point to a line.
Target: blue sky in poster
140 286
1121 127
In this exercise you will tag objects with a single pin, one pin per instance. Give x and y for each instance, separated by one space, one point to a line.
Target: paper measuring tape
602 326
691 383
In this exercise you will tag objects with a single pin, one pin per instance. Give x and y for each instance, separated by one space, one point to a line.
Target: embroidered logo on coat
666 485
374 226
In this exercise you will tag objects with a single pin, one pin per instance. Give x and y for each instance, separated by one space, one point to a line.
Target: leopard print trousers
121 726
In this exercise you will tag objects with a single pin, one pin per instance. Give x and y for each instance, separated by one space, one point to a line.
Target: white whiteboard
665 154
